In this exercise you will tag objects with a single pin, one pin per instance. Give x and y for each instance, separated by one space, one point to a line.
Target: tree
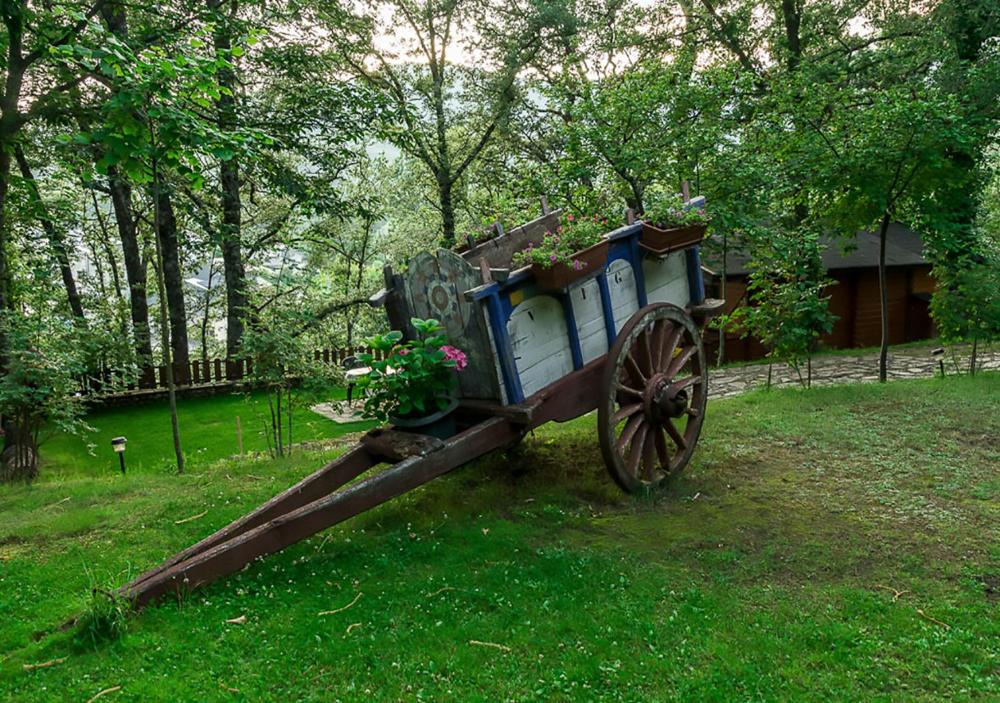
445 110
788 309
37 389
880 151
966 303
153 125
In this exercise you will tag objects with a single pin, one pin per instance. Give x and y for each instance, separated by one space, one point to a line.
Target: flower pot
661 241
559 276
440 424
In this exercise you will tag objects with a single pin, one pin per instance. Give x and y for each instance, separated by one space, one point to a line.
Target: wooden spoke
633 368
675 435
661 328
631 427
669 345
628 390
645 354
677 363
661 448
685 383
649 455
635 450
626 411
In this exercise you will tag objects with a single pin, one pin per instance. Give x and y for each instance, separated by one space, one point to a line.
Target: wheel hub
662 401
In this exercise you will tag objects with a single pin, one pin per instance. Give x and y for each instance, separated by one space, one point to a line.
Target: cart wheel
655 392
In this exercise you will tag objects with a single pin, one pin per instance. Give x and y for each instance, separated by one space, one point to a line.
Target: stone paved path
863 368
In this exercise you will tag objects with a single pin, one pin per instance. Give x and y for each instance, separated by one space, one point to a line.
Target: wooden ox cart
626 340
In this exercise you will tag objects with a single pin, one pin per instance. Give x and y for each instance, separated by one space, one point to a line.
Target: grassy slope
208 433
765 573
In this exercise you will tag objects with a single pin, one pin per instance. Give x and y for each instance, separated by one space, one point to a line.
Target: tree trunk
165 326
883 355
233 267
206 317
135 273
57 239
174 283
5 284
113 14
106 245
722 294
445 187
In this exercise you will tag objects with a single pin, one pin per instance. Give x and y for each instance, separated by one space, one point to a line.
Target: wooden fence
197 372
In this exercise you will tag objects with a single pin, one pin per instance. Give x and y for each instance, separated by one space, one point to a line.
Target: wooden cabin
854 299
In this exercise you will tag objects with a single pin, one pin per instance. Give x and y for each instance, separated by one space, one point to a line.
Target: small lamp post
118 444
939 355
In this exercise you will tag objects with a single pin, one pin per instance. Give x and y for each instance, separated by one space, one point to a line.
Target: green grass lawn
838 544
208 433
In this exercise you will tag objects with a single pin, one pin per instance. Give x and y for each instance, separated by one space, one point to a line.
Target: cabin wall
855 300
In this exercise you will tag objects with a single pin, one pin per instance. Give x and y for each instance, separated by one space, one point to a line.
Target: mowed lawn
208 433
838 544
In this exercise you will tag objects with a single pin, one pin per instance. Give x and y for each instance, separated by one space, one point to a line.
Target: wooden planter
662 241
559 276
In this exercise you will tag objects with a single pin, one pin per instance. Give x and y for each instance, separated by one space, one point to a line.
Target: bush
39 391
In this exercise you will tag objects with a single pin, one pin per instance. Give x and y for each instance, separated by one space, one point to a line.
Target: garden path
917 362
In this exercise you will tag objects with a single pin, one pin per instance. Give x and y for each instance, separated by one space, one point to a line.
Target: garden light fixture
118 444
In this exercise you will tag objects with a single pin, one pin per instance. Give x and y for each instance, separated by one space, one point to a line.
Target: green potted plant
576 249
413 385
668 225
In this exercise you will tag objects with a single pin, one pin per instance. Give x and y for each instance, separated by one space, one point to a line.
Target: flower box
559 276
662 241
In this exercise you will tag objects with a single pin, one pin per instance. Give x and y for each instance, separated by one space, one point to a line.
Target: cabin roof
902 248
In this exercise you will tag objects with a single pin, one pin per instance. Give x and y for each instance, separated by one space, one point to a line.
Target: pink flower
577 265
569 217
553 258
457 355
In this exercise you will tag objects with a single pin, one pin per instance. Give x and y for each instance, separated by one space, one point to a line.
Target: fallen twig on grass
53 505
895 592
105 692
44 665
340 610
191 519
440 591
352 626
237 621
925 616
494 645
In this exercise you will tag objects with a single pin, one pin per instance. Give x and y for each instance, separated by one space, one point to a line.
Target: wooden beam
233 554
335 474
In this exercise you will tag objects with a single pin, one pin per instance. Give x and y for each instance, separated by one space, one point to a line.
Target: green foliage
38 390
413 378
966 302
157 110
279 362
788 311
106 617
573 235
667 210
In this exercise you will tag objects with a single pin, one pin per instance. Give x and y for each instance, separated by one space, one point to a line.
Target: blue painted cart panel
539 337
